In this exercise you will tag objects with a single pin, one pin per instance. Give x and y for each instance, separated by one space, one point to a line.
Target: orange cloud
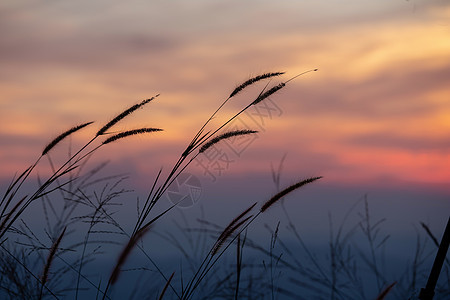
380 97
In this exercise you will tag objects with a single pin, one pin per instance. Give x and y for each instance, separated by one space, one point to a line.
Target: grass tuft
253 80
268 93
50 257
232 227
386 291
161 296
62 136
129 133
125 253
123 115
286 191
224 136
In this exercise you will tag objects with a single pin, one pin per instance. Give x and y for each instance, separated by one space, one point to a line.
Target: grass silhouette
87 202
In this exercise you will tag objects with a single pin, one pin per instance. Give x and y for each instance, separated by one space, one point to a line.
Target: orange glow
378 107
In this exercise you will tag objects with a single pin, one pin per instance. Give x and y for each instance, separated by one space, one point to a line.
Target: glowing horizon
378 107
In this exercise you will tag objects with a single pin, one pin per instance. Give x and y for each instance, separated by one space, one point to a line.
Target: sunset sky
373 120
377 112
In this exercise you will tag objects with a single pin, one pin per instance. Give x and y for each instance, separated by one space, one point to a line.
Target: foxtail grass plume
224 136
286 191
161 296
51 255
253 80
62 136
125 253
129 133
234 224
268 93
278 87
227 233
123 115
386 291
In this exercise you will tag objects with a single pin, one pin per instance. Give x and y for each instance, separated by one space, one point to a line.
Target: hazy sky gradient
377 111
374 120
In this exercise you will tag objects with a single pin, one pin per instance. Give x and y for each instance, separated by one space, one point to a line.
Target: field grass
79 232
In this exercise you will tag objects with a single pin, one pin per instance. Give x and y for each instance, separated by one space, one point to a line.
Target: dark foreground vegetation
63 237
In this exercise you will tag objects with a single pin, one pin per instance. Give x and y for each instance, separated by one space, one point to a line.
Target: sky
377 111
374 119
